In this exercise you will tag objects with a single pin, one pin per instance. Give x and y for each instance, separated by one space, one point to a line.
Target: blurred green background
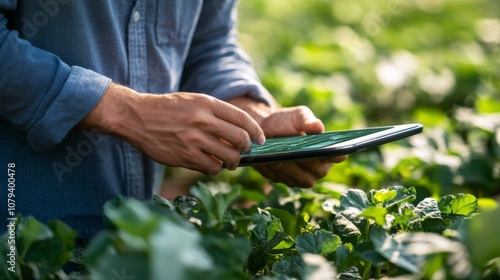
360 63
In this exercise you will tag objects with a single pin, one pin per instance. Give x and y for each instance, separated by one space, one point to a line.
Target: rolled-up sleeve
216 64
41 94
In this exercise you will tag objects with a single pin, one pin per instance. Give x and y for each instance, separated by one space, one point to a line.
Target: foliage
40 250
358 235
368 63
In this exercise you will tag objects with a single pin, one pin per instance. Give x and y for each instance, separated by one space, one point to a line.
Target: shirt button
136 16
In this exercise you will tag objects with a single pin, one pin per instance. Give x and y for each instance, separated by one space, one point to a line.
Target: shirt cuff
80 94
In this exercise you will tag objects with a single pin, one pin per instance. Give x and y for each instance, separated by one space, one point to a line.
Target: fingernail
261 140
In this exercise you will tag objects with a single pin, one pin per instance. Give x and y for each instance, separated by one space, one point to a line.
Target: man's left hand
276 122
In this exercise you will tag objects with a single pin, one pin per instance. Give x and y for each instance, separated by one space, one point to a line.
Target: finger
205 164
292 121
338 159
232 134
223 151
290 174
305 121
317 168
240 118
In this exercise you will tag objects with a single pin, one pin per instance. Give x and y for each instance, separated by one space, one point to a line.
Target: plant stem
366 272
378 272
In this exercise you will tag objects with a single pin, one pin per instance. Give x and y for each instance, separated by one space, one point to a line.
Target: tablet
325 145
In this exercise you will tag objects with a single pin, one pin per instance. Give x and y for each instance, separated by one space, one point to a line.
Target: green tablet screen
308 142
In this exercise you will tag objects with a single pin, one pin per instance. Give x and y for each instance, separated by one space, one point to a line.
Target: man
84 117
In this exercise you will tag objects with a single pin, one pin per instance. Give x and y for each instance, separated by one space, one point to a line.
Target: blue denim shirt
57 58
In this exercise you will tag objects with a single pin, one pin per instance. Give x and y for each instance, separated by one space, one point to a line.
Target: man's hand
285 122
188 130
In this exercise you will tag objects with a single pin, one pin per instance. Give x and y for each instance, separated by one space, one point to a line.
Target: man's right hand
188 130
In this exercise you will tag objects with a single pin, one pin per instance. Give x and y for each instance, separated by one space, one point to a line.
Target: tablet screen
309 142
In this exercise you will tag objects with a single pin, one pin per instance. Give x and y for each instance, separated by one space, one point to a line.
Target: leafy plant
352 235
40 250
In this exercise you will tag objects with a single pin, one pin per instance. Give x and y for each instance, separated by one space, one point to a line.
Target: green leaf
428 208
349 223
163 201
354 198
291 266
394 251
203 194
404 195
366 252
132 216
319 242
461 204
351 273
451 256
317 267
266 228
383 196
483 232
228 253
288 221
183 248
376 213
257 258
30 231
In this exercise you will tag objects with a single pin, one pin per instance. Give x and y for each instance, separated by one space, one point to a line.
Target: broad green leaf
342 254
290 266
367 252
317 267
452 254
319 242
461 204
383 196
349 223
132 216
289 221
483 232
257 258
64 233
265 229
29 231
404 195
394 251
202 193
223 200
428 208
120 266
228 253
354 198
177 252
110 205
163 201
376 213
351 273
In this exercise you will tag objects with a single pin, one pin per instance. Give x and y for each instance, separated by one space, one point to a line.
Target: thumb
292 121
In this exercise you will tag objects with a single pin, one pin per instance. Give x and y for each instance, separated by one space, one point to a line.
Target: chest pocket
176 20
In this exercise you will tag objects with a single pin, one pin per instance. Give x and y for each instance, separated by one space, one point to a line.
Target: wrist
114 113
